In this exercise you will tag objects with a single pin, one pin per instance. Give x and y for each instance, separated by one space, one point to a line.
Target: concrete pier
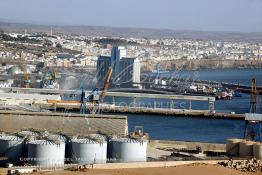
109 108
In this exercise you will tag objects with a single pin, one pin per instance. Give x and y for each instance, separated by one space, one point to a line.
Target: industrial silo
11 147
101 155
84 151
46 152
27 135
128 150
65 139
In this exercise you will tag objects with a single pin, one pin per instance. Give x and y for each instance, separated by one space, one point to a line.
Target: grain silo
84 151
128 150
101 156
11 147
46 152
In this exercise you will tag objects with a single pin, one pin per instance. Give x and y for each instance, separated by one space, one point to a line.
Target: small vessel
225 95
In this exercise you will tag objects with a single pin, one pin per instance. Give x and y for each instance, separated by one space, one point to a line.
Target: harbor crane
95 99
253 120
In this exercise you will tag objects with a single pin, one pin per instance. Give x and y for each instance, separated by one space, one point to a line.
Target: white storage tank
128 150
232 147
85 151
246 148
257 150
46 153
12 147
101 156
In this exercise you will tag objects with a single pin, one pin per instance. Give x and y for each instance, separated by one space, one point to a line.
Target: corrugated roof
253 117
70 124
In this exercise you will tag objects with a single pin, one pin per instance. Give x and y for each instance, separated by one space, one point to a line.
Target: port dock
112 107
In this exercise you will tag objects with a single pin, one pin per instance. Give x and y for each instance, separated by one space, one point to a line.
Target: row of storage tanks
45 149
244 148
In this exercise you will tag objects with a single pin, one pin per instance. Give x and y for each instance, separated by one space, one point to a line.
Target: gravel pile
252 165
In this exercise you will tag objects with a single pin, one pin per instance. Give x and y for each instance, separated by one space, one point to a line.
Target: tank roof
43 142
84 141
127 140
10 138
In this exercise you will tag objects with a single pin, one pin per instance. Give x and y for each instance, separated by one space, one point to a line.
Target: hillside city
81 51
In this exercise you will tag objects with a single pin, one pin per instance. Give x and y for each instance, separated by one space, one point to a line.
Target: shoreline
201 64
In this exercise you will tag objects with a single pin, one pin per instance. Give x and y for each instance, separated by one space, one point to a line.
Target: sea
178 128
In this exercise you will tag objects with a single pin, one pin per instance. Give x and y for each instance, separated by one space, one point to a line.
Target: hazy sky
215 15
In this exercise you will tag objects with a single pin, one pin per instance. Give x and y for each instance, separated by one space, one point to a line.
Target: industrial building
126 71
130 71
68 123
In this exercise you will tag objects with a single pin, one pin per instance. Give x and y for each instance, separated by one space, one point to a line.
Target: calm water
242 76
204 130
188 129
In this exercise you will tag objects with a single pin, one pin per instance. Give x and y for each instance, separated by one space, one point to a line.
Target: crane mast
106 85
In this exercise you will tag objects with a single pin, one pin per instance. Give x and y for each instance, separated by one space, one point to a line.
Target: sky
203 15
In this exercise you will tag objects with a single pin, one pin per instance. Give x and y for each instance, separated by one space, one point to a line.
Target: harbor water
203 130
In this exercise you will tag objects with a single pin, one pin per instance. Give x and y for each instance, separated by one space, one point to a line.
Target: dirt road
179 170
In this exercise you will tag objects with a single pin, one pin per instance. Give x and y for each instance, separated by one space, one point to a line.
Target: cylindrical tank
46 153
246 148
11 147
257 150
101 155
84 151
232 147
64 139
129 150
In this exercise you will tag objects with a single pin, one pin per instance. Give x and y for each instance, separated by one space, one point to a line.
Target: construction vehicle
138 133
95 99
